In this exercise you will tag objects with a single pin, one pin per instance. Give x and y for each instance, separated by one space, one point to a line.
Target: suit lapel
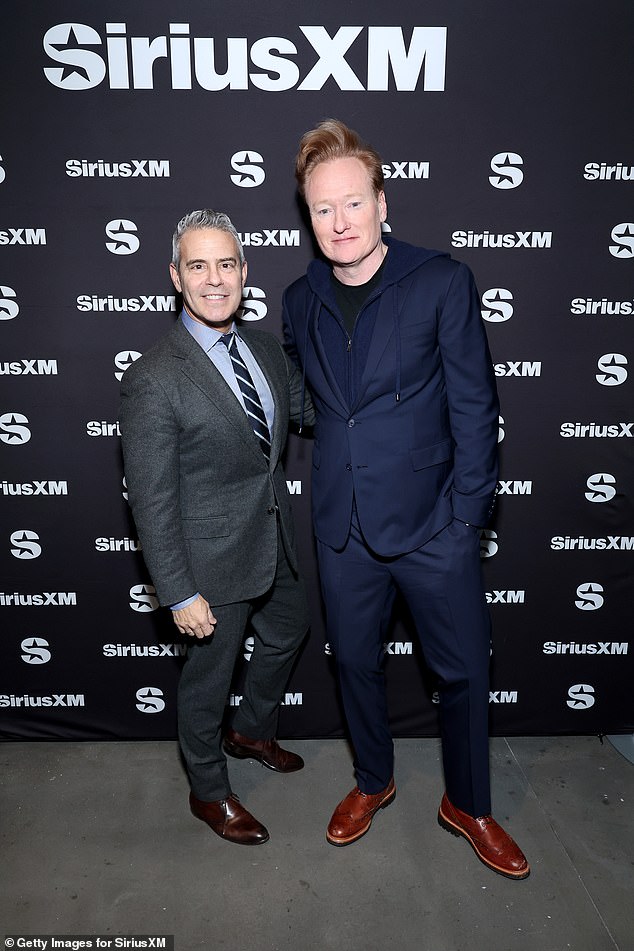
323 363
197 366
383 330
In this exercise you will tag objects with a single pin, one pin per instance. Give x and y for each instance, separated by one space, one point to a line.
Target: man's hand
196 619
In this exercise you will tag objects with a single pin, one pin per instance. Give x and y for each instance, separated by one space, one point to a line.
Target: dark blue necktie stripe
253 406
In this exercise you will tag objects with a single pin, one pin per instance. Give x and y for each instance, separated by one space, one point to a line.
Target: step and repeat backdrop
506 136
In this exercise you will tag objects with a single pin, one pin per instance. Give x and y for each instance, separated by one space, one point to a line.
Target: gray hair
199 220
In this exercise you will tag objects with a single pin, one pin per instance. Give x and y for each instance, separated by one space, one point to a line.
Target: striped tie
252 402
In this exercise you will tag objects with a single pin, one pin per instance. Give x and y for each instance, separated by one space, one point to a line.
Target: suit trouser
442 585
279 620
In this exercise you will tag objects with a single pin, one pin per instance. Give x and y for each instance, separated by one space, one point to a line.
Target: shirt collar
207 337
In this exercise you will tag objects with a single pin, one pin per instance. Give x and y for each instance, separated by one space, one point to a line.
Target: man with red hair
391 345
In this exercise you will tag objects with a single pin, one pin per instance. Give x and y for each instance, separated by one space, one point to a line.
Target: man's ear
176 281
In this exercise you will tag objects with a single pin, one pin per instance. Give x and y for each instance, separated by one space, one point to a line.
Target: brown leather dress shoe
490 842
230 820
353 816
268 752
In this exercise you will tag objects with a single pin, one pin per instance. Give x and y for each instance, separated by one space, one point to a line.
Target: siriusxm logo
488 543
35 651
253 304
23 236
54 700
590 596
123 234
581 697
290 700
150 302
508 173
603 307
503 696
606 648
248 166
123 360
501 430
294 486
13 432
516 239
136 168
612 367
34 488
28 368
518 368
102 428
623 236
50 599
515 488
505 597
144 650
496 305
267 239
601 487
149 700
601 171
581 542
117 544
8 305
88 58
25 545
143 598
597 430
408 170
397 647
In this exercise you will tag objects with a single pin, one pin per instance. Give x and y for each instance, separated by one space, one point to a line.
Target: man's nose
341 222
214 276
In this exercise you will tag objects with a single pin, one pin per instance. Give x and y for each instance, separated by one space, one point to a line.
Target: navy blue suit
404 472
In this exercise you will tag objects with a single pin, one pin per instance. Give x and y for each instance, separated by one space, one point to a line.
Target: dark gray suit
214 517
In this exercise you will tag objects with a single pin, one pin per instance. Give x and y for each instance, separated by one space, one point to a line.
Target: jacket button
271 510
349 467
350 423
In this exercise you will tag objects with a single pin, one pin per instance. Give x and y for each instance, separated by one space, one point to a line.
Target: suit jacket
407 415
204 499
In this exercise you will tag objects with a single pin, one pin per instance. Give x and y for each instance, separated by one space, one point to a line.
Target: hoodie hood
401 260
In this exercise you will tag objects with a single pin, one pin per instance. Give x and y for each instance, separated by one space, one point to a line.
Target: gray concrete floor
97 839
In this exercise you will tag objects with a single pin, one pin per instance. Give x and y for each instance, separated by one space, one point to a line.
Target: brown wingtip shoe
489 841
230 820
353 816
268 752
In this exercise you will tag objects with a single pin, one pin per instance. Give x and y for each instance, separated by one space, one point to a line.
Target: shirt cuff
183 604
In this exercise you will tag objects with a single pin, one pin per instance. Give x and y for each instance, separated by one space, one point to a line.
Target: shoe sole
358 835
237 753
445 823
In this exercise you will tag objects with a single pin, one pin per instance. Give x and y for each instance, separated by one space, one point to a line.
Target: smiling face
209 277
346 215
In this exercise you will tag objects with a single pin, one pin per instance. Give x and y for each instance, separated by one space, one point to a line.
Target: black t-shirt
351 298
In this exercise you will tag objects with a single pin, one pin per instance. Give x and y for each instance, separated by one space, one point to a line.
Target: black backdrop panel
506 139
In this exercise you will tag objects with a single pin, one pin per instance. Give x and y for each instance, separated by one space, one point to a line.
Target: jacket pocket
431 455
216 526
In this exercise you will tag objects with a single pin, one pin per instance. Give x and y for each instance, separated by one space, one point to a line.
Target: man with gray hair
204 418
